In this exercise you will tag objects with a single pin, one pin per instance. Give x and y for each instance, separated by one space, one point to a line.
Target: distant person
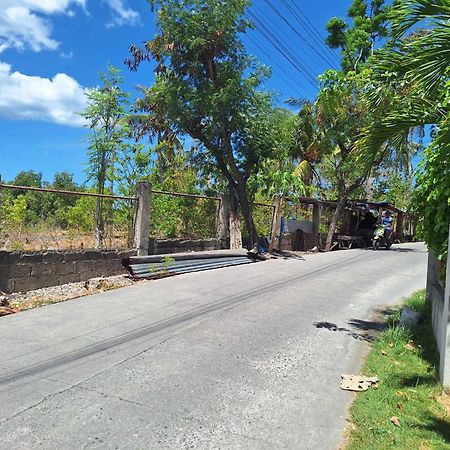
387 222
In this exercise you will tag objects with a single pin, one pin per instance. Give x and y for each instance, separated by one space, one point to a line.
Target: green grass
406 363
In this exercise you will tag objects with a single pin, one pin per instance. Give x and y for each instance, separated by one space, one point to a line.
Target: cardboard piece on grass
357 383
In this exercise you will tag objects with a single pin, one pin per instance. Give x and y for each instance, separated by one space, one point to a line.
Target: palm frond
303 170
410 12
392 131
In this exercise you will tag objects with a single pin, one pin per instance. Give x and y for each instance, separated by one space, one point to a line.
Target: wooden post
275 241
222 221
316 223
234 222
399 226
142 222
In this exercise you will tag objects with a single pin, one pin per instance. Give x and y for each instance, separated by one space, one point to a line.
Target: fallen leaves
409 346
395 420
5 307
401 394
5 311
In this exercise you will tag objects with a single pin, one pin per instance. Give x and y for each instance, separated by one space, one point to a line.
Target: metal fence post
142 222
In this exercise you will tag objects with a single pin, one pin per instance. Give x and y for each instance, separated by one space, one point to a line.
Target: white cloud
122 14
44 6
66 55
34 98
23 23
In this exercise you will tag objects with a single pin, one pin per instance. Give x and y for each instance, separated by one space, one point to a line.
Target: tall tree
357 42
340 115
107 106
207 87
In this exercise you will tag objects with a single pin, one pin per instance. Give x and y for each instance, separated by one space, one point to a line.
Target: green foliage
28 178
277 174
339 115
395 188
181 217
14 211
132 165
13 216
44 207
432 194
357 43
81 216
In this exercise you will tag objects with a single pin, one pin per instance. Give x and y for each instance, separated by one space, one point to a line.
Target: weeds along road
245 357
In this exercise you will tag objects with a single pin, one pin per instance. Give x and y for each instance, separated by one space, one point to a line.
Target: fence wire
33 219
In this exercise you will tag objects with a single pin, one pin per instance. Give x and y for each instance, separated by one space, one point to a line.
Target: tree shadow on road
366 333
362 330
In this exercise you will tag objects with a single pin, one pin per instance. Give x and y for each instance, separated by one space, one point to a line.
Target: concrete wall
163 246
440 301
20 271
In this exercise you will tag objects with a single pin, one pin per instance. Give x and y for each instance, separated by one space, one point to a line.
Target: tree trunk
110 231
337 215
99 219
99 225
246 209
234 222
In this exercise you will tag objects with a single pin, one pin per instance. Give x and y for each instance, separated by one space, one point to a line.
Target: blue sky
51 51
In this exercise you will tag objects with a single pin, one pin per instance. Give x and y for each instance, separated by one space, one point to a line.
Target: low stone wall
163 246
20 271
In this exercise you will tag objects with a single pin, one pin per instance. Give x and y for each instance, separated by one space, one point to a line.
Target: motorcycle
380 239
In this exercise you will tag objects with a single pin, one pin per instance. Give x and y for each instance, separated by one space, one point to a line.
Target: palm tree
411 89
307 145
408 77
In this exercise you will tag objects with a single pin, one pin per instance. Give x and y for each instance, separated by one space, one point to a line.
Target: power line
287 41
285 52
303 19
316 51
274 61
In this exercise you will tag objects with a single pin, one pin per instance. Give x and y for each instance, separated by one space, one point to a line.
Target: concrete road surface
247 357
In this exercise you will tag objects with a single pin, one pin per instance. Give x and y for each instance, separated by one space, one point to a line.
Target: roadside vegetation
408 410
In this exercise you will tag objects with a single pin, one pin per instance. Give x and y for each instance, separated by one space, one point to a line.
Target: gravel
21 301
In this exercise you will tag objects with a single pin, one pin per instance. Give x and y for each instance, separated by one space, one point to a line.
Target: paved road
247 357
